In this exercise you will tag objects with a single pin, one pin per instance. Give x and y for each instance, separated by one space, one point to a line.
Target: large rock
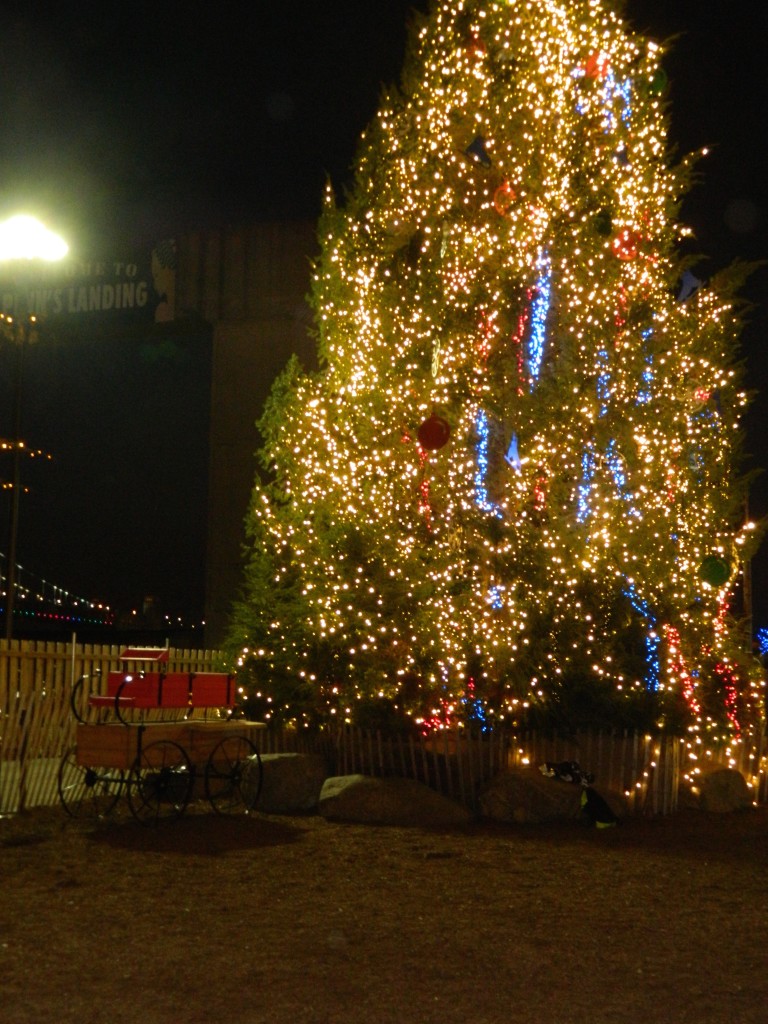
291 783
368 800
526 797
716 788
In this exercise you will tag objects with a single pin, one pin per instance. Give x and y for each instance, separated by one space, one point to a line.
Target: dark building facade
143 379
251 285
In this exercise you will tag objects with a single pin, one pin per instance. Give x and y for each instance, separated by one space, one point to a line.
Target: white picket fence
37 727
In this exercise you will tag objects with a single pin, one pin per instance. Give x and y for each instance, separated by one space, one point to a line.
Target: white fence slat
37 725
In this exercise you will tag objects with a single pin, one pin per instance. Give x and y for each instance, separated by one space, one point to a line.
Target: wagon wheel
123 719
87 792
233 776
77 700
160 783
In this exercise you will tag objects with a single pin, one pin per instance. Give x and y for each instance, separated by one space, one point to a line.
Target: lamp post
24 242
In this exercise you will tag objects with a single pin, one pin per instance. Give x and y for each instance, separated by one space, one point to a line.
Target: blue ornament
476 149
513 456
688 285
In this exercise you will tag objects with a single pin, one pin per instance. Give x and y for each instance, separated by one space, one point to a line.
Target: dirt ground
271 920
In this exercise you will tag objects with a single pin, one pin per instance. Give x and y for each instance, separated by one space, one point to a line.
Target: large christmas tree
514 481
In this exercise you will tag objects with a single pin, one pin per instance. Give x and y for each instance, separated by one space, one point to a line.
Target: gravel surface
272 920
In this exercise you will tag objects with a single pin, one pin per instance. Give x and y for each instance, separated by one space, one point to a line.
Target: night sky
125 123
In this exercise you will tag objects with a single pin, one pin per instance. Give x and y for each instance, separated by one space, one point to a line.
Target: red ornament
503 198
597 65
433 433
626 245
476 46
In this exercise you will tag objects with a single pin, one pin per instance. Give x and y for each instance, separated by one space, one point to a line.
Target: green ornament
714 570
603 223
658 82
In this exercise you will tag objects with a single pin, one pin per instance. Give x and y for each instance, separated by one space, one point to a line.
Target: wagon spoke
87 792
161 781
233 776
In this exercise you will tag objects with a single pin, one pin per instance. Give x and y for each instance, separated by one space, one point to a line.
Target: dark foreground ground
268 920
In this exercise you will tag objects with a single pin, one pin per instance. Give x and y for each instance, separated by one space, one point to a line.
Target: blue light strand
539 311
616 466
475 711
603 381
609 92
645 394
615 463
652 640
702 418
583 508
612 89
624 89
481 490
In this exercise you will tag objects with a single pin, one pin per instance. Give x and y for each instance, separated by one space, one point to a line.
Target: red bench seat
157 690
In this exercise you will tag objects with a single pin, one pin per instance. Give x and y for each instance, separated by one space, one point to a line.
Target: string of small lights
39 599
516 473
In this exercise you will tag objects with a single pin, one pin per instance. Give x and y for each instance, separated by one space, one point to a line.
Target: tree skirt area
272 920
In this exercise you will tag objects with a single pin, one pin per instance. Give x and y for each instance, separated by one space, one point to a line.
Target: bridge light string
35 593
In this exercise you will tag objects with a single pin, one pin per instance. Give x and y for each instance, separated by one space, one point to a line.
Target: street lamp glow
24 238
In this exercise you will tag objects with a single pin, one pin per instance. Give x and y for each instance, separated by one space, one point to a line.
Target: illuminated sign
142 288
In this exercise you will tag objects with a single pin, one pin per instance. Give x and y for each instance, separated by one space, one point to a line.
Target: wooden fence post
36 726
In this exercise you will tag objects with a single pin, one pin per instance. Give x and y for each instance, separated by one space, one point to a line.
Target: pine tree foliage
514 481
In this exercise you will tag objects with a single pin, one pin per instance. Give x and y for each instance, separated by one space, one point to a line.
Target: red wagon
160 739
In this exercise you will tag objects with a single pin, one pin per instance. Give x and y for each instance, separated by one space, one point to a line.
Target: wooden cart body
157 761
114 745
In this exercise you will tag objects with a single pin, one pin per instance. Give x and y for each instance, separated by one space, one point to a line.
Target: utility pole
13 518
24 242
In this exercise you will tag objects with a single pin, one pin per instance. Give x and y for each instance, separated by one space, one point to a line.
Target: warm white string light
507 264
